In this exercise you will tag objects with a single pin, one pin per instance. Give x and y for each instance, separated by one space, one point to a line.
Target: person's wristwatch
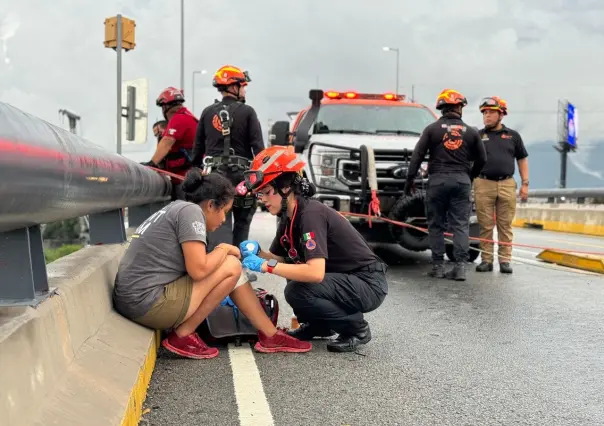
525 182
270 265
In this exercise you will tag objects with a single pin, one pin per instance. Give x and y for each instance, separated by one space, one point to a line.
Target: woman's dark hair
299 185
198 188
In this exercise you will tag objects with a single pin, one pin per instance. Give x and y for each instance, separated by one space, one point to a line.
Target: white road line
251 399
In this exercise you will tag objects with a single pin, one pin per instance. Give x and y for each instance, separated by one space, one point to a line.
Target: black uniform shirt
503 147
321 232
246 133
459 151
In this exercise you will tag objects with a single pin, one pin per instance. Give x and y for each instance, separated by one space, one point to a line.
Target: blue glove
248 247
253 262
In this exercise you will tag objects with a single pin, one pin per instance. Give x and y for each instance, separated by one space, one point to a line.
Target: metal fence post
138 214
23 268
107 227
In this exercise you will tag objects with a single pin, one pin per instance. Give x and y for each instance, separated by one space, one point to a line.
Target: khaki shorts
170 309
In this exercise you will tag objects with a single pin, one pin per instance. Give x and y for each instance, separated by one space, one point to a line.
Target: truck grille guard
359 172
343 170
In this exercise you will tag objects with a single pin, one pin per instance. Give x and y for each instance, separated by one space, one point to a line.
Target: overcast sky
531 52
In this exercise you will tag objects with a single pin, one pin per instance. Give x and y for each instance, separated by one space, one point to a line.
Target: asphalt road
527 349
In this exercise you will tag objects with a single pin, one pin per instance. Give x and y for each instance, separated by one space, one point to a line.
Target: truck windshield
351 118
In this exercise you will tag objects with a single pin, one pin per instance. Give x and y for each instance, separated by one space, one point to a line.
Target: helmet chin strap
283 202
494 126
239 98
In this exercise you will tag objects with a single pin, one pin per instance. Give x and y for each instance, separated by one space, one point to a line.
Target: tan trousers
495 199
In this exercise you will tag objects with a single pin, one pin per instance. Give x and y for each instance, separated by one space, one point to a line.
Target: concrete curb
73 360
568 218
584 262
138 394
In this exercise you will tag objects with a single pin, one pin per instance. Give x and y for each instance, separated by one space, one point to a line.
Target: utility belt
179 160
230 163
373 267
495 178
232 167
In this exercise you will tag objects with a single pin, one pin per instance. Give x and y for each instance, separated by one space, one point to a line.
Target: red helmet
170 95
494 103
450 97
229 74
269 164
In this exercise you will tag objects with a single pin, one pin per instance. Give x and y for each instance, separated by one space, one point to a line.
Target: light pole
394 49
193 87
182 44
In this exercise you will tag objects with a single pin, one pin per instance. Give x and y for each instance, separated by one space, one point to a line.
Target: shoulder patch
308 236
199 227
311 245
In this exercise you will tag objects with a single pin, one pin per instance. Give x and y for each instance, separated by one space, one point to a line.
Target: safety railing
48 174
567 195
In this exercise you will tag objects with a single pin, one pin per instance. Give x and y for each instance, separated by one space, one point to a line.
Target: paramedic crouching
333 276
168 281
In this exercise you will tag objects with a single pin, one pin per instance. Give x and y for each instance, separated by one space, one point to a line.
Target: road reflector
585 262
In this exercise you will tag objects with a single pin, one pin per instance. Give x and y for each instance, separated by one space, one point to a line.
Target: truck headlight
325 164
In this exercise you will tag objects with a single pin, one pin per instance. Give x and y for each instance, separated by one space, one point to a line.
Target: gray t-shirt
154 256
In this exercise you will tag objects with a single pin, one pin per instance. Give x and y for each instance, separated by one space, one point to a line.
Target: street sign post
119 34
135 97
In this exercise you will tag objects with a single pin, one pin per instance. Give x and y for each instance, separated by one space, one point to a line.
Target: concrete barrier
73 360
587 219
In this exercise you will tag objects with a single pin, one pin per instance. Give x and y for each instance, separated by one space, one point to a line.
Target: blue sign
572 124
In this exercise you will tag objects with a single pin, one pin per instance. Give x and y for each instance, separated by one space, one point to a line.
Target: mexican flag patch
308 236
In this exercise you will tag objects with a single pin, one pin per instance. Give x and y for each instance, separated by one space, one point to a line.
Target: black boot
350 343
458 273
484 267
309 332
437 271
505 268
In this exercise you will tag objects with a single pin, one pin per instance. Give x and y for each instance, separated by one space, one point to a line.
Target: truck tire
472 253
407 207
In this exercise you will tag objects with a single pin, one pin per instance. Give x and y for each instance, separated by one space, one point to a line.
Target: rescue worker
333 276
167 280
456 156
495 187
229 135
159 128
176 144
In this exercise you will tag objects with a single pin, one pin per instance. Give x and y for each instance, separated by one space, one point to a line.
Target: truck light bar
354 95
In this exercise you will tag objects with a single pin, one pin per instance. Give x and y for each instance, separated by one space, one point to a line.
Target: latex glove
248 247
253 262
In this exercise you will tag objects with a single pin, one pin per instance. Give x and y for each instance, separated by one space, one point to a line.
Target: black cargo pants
340 300
236 227
449 199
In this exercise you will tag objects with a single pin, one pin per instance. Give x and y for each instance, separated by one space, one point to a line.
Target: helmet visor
253 179
489 102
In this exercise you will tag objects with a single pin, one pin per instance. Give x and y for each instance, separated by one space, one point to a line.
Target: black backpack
227 323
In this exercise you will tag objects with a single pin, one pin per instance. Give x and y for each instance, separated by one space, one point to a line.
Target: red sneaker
190 346
281 342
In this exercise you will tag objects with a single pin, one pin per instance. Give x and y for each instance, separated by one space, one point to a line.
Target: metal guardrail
566 195
48 174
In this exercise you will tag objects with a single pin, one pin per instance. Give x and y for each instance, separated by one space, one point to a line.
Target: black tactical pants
236 228
449 199
340 300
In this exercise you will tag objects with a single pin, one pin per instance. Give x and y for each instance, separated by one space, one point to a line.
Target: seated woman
167 280
333 276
